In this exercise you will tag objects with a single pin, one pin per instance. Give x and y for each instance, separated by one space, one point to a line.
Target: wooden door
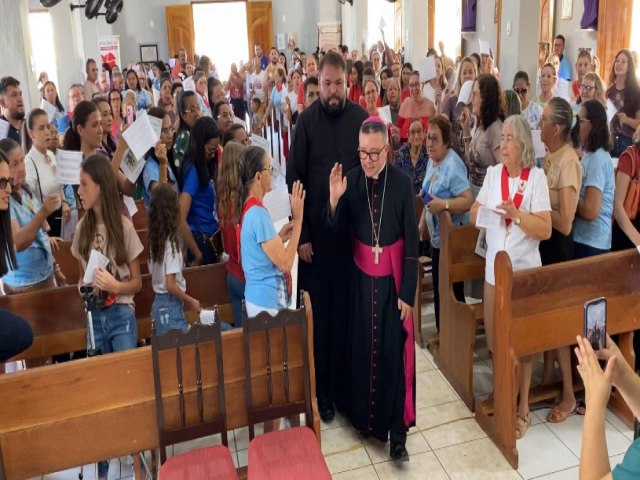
545 32
260 26
180 30
614 32
431 23
397 26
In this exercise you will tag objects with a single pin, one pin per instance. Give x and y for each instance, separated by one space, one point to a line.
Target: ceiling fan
92 8
350 2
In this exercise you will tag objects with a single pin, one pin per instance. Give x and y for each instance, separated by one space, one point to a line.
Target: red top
404 94
301 94
363 102
403 125
576 88
625 164
355 92
230 245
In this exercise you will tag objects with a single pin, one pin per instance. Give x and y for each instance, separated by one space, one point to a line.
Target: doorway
42 46
222 41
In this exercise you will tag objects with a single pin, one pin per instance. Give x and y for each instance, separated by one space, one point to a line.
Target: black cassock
322 139
377 383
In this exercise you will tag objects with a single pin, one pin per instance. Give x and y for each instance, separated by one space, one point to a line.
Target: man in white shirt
258 80
90 86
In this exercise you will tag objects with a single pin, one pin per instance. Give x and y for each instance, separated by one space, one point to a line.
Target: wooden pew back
458 262
59 322
59 416
542 309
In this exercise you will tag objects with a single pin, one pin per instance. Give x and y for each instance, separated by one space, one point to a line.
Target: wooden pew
64 415
542 309
69 264
59 322
458 321
140 219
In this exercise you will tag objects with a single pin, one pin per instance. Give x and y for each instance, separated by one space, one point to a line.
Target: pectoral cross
376 251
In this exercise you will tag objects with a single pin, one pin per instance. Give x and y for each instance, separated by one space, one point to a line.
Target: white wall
485 28
15 49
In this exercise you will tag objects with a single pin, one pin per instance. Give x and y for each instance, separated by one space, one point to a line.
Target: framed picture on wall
567 9
149 53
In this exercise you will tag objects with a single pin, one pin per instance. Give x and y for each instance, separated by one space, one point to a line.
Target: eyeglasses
587 88
373 155
268 169
193 110
5 181
521 91
414 85
433 138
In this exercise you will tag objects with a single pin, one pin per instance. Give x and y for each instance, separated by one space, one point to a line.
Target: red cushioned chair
293 453
212 462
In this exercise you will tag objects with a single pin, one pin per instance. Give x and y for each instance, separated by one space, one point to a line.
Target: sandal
522 424
557 415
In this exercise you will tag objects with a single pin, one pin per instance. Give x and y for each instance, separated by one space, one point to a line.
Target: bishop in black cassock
375 205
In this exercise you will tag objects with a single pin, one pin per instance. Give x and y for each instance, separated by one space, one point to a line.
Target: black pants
458 287
15 335
559 248
55 222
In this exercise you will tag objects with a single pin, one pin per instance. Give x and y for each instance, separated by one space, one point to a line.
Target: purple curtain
469 16
590 15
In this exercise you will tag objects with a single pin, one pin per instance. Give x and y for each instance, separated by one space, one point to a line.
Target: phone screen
595 322
129 114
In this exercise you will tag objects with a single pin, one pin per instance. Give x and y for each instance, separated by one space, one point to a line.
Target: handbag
632 200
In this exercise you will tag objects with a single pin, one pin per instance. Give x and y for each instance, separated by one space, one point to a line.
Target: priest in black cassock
326 132
375 205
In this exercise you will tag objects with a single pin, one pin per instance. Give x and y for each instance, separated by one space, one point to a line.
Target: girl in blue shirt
266 260
198 196
593 221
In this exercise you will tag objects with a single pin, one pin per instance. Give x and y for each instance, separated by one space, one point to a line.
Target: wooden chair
209 462
295 452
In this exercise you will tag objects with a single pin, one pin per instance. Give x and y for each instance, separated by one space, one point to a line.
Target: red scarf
517 198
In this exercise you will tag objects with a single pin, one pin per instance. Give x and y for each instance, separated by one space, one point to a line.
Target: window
447 27
378 10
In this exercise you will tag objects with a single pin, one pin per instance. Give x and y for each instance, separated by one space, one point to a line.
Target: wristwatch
446 204
517 220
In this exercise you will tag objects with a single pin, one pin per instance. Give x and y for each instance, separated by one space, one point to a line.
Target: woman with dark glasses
530 111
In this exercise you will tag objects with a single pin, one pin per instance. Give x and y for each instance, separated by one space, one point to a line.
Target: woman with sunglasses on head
15 333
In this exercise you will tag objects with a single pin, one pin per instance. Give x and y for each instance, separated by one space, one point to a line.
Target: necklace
376 235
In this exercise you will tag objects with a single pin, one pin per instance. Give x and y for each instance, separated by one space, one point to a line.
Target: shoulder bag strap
38 177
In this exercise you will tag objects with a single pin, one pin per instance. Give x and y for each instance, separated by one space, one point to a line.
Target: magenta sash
391 262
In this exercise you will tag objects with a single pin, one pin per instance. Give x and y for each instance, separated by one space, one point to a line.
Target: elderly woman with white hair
516 191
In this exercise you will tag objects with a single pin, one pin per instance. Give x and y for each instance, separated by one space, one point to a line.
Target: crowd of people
351 123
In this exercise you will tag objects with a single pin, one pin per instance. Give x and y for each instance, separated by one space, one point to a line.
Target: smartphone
424 195
595 322
129 114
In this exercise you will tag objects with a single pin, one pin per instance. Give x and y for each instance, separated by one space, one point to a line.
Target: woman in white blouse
40 163
525 220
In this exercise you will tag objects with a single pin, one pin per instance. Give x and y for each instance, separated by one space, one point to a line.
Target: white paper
563 89
429 92
258 141
538 145
427 68
68 167
481 244
382 23
96 259
156 125
69 226
385 114
487 218
280 41
465 92
207 317
131 166
277 203
50 109
485 47
4 129
172 62
140 136
156 97
151 75
188 85
612 111
130 204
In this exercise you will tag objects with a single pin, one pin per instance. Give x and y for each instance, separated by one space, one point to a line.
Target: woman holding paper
513 206
266 260
106 238
41 169
624 92
35 268
455 104
416 106
50 94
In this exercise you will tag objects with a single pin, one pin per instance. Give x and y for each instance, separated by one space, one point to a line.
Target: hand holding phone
130 118
595 322
424 195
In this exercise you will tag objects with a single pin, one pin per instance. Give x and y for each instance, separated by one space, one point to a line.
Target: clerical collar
377 175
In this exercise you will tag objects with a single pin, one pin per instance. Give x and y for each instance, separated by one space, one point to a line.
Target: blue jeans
235 286
167 314
115 329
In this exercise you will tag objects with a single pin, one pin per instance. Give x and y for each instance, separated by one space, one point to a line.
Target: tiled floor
446 444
